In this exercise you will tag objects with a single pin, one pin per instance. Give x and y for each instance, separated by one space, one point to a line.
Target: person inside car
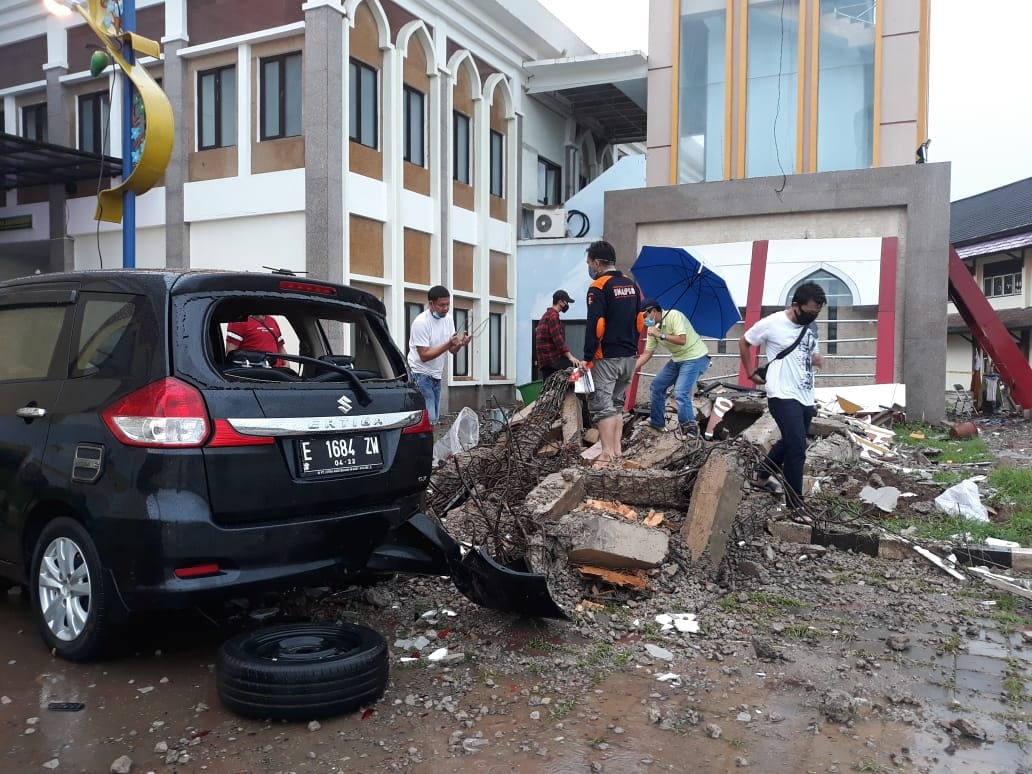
259 333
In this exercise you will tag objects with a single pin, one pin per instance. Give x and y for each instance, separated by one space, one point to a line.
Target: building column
324 140
177 230
62 247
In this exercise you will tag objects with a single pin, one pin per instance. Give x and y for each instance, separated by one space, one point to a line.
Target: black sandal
770 485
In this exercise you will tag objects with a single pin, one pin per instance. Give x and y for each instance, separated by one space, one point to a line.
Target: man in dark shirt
610 344
552 353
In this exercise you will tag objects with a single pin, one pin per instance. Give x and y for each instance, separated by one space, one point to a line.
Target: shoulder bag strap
795 344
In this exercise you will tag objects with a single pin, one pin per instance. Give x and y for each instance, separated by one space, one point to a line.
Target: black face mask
805 318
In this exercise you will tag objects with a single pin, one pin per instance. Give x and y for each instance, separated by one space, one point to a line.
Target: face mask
593 273
649 322
805 318
436 315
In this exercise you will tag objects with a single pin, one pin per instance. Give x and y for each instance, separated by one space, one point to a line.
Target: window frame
411 143
218 130
100 123
38 110
462 173
460 360
360 102
495 347
546 169
497 154
282 97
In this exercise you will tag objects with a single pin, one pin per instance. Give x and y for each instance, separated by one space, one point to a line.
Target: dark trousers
789 453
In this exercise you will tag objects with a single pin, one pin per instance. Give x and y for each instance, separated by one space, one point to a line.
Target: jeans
789 453
431 391
682 376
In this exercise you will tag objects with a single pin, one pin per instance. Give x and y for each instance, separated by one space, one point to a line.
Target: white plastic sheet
962 500
463 435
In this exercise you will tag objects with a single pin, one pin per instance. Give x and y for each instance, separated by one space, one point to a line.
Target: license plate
328 455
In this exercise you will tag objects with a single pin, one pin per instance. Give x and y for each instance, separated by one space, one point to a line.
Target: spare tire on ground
301 671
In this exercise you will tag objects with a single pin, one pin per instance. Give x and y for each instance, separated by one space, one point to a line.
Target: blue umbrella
678 280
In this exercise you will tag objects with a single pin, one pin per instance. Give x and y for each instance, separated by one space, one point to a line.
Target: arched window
839 295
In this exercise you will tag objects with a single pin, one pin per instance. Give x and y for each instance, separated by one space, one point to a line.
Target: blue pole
128 197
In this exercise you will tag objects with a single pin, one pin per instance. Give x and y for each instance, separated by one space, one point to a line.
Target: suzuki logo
344 404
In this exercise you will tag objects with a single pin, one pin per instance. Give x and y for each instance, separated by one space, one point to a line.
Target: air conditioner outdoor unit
549 224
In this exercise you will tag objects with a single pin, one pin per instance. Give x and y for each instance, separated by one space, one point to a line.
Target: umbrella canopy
678 280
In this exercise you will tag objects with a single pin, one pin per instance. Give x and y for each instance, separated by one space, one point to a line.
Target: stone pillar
177 230
325 136
62 249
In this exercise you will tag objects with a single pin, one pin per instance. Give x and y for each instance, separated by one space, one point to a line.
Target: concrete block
607 542
791 532
823 426
1021 559
572 419
892 547
763 433
555 495
655 488
715 500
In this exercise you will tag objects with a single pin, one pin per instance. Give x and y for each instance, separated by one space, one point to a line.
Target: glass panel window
363 100
412 311
95 123
702 82
216 108
34 122
773 77
414 120
549 179
280 96
497 164
460 360
496 355
845 85
31 357
461 149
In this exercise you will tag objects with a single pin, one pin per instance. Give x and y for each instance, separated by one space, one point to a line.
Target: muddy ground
808 660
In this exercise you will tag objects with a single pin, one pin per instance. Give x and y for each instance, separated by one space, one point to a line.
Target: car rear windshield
271 338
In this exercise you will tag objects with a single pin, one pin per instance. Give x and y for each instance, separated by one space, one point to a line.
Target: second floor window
95 123
1002 285
364 123
414 112
34 122
549 177
280 96
497 164
460 149
216 108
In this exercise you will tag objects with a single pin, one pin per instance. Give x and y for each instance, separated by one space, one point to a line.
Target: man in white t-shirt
431 338
789 384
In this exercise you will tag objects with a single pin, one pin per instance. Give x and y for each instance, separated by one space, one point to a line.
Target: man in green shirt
689 359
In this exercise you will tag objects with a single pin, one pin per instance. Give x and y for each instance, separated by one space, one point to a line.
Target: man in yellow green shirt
689 359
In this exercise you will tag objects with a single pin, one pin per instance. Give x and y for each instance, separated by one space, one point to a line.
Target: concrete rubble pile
529 494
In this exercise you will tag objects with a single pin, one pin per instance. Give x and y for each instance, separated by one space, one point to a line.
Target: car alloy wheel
70 600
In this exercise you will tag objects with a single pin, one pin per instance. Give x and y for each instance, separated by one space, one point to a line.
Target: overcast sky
980 101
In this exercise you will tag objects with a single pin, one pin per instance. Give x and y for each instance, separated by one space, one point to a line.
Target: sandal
799 516
770 485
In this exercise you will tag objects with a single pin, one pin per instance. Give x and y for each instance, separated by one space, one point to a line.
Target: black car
143 466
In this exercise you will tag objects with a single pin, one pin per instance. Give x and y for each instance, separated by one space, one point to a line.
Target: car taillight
165 414
423 426
226 435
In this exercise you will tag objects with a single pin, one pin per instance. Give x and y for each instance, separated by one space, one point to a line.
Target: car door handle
31 412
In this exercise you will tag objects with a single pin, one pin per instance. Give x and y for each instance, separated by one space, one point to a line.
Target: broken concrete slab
763 433
791 532
603 541
715 500
836 448
556 495
572 418
655 488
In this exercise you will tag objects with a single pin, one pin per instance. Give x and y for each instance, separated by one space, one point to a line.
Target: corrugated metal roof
1000 245
993 214
26 162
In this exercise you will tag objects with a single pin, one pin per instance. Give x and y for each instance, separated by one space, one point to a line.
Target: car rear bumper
142 556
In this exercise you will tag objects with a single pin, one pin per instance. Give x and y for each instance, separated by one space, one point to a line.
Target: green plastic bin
529 391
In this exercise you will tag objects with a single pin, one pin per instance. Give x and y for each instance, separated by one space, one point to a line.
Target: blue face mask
436 315
593 274
649 322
